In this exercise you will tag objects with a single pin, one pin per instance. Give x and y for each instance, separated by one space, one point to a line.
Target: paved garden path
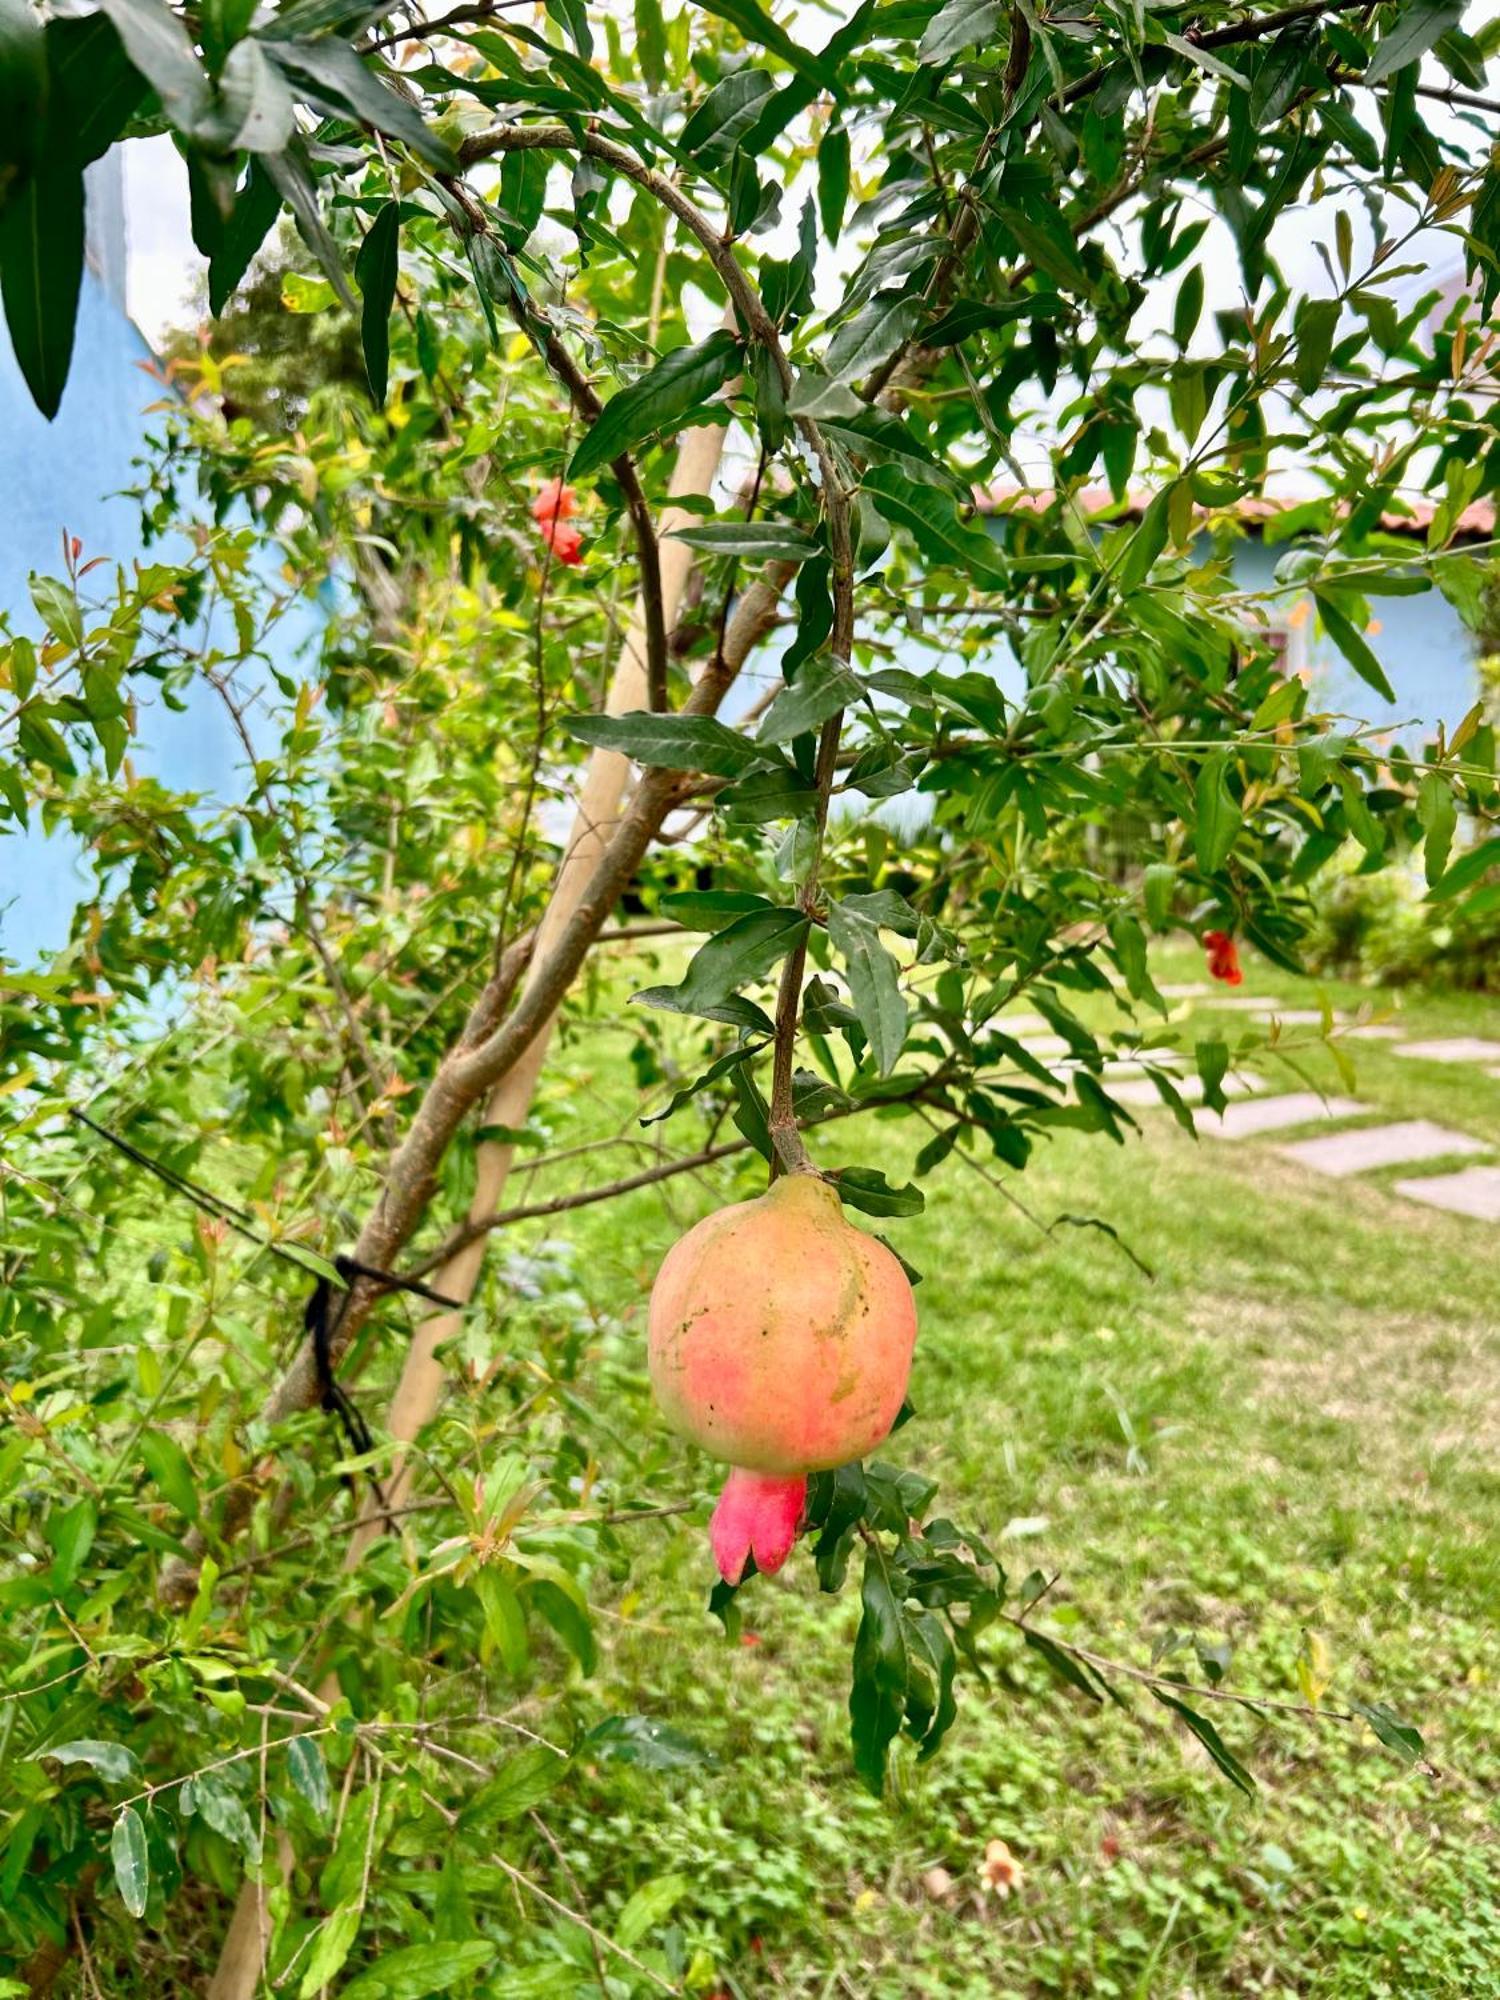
1359 1149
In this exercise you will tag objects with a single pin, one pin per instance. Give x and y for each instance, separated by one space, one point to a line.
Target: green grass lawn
1293 1428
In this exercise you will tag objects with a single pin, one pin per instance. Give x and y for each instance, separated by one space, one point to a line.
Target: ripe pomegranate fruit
780 1340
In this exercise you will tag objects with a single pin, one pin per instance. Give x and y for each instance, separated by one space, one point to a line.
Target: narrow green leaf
727 114
162 50
833 180
308 1772
113 1761
872 336
167 1463
417 1970
873 982
959 25
1438 813
23 83
822 687
931 518
41 269
868 1190
1068 1670
132 1861
376 268
256 207
1392 1731
1211 1740
331 1945
1354 647
647 1907
735 956
761 541
333 75
1466 871
93 85
521 1782
877 1694
1418 24
671 742
1216 816
679 382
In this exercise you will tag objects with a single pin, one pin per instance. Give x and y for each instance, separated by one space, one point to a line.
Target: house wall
67 478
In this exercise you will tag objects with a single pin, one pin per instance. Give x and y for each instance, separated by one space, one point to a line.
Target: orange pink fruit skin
780 1340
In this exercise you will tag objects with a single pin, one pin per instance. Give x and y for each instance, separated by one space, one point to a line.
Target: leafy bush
1380 927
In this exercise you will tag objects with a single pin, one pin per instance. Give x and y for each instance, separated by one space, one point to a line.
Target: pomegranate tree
780 1341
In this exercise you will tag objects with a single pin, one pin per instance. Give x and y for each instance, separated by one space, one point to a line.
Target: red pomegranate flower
1223 957
551 510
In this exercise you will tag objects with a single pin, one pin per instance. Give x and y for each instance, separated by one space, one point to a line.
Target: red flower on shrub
1223 957
550 510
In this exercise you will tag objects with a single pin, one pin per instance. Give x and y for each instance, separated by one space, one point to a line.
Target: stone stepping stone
1184 989
1294 1017
1141 1093
1475 1191
1270 1114
1454 1049
1372 1146
1239 1002
1375 1031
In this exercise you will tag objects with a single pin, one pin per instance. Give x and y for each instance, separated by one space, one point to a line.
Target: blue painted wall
67 477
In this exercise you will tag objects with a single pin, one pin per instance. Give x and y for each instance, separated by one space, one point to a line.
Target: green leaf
1048 242
333 75
1439 816
1418 24
650 1905
1354 647
71 1534
643 1741
711 909
740 953
308 1772
260 110
822 688
868 1190
873 982
931 518
376 267
1068 1670
417 1971
568 1620
41 269
755 25
982 315
113 1761
762 541
1392 1731
162 50
679 382
671 742
877 1695
521 1782
93 85
167 1463
256 207
1144 543
959 25
727 114
132 1861
872 336
1466 871
57 606
833 180
1216 816
331 1945
1211 1740
523 194
23 83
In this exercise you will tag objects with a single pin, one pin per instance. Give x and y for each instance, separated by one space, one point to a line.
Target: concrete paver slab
1371 1146
1375 1031
1141 1093
1475 1191
1452 1049
1270 1114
